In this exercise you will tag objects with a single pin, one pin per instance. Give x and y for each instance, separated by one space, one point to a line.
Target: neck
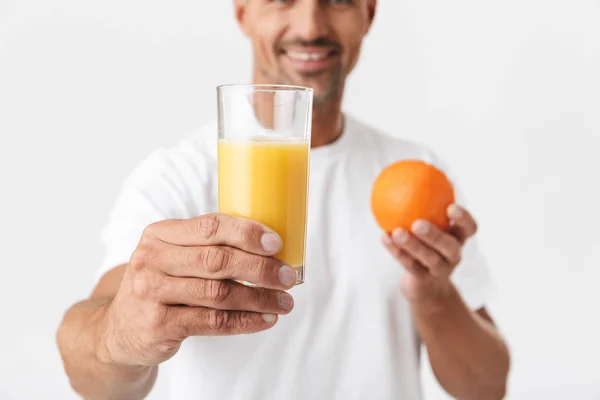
327 121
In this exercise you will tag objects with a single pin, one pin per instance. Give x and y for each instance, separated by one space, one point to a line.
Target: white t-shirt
350 335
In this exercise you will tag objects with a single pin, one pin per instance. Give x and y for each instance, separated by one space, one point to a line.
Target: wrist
437 300
105 347
101 346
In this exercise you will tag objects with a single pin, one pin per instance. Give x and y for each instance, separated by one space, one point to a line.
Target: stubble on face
329 80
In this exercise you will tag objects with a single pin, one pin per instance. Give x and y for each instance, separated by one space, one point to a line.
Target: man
167 289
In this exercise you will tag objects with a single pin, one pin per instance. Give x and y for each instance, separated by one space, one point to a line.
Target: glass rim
264 87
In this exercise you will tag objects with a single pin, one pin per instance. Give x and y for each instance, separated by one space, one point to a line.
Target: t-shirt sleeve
472 276
163 186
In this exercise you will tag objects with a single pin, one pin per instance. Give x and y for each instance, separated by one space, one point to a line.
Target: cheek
353 53
351 34
265 37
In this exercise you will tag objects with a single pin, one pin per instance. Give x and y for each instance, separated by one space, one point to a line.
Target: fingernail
286 301
269 318
287 276
400 236
454 211
270 242
420 227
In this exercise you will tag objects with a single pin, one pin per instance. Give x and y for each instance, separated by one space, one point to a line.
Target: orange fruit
410 190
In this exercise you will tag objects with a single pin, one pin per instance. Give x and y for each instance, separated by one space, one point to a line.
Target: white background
508 91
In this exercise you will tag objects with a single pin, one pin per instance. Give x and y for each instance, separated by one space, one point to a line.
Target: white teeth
301 56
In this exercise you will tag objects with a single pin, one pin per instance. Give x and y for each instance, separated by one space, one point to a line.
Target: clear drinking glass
263 160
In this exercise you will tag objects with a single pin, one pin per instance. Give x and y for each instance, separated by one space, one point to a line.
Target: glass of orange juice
263 160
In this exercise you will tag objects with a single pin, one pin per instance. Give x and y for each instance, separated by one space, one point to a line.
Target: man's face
313 43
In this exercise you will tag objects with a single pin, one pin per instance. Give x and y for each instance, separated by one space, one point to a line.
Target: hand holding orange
409 190
413 202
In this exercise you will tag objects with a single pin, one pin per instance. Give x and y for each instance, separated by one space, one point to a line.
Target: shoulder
392 146
176 181
195 154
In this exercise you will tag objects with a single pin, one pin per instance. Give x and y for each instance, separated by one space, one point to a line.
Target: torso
350 335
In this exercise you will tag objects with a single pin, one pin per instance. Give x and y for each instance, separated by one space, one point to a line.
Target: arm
78 339
180 282
467 353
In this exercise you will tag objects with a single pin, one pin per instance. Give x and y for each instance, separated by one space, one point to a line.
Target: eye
340 1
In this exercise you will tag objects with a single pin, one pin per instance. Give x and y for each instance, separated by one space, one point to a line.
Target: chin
326 84
323 97
326 93
322 92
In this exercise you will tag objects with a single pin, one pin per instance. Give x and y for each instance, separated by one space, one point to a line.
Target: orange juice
267 181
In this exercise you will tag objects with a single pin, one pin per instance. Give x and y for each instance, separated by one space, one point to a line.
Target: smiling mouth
310 59
310 55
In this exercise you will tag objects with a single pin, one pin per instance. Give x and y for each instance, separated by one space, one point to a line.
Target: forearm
78 342
467 354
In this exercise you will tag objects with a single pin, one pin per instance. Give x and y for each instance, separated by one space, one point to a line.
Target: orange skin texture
409 190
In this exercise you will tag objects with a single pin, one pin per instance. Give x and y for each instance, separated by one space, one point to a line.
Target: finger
200 321
443 242
217 229
222 262
414 247
221 294
408 262
462 223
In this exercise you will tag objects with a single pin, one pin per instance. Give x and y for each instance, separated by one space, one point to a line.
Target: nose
309 20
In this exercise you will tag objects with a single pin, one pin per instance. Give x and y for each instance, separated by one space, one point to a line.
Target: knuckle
181 327
434 235
218 320
150 230
215 259
411 244
195 288
160 289
250 232
218 291
266 299
246 230
263 267
442 239
412 250
157 317
244 322
208 225
142 257
144 285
